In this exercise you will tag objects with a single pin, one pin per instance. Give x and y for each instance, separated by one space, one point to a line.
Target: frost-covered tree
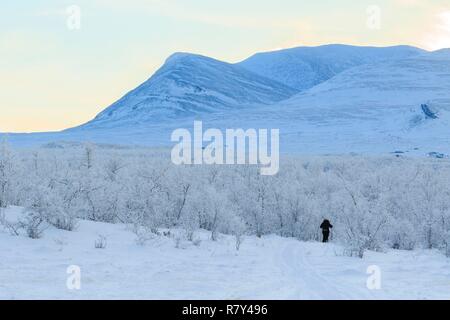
6 173
373 202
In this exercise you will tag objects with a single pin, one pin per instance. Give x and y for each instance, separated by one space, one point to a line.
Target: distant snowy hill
187 85
373 108
194 85
369 100
304 67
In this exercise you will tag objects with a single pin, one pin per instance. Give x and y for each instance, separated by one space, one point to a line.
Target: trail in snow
308 283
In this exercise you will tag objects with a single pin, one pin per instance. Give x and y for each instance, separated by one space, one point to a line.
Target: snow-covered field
268 268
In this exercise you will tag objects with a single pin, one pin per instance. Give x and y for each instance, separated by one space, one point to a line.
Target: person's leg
326 234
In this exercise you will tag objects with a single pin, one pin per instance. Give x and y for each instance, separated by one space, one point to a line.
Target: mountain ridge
304 67
190 84
373 107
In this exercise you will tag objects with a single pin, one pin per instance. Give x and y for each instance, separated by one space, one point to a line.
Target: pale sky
52 77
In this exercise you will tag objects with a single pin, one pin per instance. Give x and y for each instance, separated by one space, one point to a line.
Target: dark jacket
326 225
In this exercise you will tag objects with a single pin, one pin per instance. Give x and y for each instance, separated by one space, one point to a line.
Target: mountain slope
187 85
381 107
193 85
304 67
371 108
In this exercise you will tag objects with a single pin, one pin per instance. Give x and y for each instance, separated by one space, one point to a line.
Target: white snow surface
268 268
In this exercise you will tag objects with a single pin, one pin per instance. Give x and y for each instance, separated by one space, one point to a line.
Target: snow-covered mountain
374 107
370 100
187 85
304 67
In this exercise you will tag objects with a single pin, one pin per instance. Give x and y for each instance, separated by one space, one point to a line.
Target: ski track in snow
309 284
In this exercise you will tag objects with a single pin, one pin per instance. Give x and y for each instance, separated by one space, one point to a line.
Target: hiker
325 226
